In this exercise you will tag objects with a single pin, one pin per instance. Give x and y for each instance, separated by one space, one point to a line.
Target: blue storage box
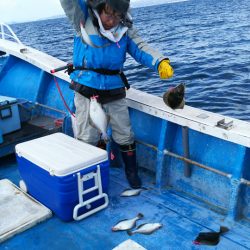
66 175
9 115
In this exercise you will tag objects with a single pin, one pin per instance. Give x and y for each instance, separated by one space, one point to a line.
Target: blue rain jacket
111 57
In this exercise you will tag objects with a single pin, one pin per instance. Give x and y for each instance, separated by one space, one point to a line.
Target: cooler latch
87 203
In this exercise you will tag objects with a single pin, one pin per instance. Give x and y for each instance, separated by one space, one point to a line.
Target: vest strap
104 72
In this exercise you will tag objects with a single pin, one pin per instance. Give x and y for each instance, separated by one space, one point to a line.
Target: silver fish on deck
98 117
126 224
86 39
132 192
147 228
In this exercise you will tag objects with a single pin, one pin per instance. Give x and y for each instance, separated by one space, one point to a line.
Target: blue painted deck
182 217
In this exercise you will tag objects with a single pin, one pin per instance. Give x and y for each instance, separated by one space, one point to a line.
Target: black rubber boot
131 170
115 158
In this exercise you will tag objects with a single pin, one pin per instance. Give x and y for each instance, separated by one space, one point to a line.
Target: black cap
120 6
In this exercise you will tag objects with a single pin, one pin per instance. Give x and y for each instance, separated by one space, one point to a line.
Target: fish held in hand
210 238
126 224
147 228
132 192
174 97
98 117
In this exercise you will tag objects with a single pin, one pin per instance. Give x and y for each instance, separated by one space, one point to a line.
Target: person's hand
165 70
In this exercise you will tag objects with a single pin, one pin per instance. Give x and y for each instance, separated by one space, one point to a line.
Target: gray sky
29 10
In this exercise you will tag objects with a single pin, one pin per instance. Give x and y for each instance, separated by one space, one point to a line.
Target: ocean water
207 41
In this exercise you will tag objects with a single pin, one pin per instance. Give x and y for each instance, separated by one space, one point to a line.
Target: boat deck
182 220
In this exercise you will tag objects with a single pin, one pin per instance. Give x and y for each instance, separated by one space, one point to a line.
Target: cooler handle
98 185
87 203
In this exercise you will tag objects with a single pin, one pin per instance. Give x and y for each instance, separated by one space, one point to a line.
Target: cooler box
66 175
9 115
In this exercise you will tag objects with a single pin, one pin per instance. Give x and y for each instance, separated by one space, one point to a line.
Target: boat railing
6 33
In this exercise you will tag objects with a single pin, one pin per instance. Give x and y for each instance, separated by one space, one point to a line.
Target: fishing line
60 92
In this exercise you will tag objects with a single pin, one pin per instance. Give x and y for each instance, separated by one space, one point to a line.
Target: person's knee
122 139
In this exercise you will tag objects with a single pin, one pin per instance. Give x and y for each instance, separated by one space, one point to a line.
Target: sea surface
207 41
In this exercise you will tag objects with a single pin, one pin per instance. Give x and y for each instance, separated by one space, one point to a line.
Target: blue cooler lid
60 154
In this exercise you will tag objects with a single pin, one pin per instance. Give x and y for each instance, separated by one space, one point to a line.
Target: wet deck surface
182 220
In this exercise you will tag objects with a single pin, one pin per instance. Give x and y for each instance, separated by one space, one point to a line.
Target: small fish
126 224
132 192
98 117
210 238
174 97
86 39
147 228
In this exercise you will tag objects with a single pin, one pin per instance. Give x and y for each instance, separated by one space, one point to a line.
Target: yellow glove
165 70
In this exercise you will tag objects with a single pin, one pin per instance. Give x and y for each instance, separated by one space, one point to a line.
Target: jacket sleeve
76 11
142 52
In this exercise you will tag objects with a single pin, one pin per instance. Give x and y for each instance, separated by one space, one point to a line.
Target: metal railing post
160 154
185 143
11 35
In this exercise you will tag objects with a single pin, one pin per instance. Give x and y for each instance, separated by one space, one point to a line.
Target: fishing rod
173 98
67 67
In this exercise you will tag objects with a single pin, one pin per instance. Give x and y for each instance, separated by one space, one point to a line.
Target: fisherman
104 33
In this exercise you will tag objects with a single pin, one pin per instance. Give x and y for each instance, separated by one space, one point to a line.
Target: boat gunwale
153 105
